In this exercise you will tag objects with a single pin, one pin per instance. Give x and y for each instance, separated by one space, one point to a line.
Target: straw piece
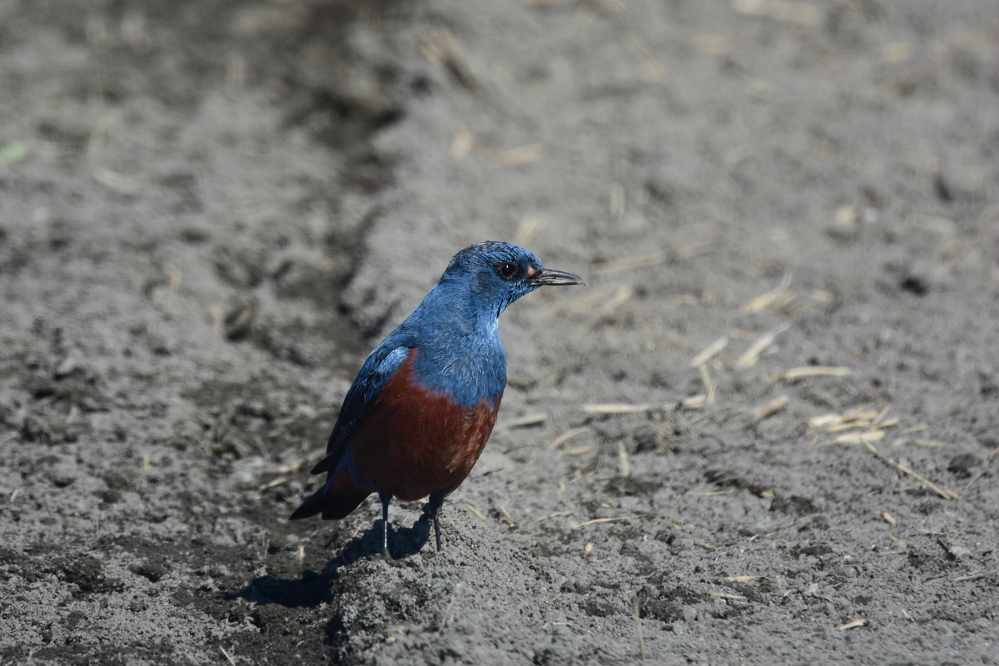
709 386
228 656
862 622
638 625
814 371
769 408
775 298
751 355
860 437
622 454
476 511
709 352
694 401
946 494
566 436
507 517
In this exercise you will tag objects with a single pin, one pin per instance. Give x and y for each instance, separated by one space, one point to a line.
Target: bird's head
500 273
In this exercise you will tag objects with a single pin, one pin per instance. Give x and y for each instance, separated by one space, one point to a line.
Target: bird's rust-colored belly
416 441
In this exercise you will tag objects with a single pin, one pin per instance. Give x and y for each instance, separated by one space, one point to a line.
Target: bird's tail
335 499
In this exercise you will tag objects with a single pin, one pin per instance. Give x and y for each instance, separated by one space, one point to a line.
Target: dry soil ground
211 210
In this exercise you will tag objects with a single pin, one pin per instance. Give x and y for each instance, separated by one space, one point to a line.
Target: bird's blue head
497 274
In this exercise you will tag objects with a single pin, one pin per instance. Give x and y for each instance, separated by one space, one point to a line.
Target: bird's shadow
313 588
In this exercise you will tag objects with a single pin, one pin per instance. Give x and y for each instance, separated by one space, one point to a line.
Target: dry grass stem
860 425
579 451
862 622
694 401
902 441
743 579
946 494
769 408
751 355
274 483
292 467
638 625
476 511
774 299
859 417
709 386
887 517
622 455
228 656
813 371
728 595
709 352
566 436
860 437
507 517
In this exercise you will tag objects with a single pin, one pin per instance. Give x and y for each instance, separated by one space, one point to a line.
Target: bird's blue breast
468 373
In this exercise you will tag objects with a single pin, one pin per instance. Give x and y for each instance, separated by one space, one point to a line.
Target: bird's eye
507 270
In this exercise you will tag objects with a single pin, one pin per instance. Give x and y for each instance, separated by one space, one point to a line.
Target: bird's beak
552 277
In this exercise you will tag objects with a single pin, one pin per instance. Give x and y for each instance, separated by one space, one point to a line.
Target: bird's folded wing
377 370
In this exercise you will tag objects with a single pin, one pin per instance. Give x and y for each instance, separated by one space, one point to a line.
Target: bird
423 405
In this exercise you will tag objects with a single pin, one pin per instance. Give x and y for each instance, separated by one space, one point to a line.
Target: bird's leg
433 510
385 497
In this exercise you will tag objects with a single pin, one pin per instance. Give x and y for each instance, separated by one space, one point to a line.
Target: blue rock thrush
423 405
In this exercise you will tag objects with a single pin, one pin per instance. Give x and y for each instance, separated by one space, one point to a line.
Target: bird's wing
377 370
